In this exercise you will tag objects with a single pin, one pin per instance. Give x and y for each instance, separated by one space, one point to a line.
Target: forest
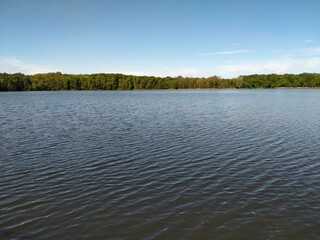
110 81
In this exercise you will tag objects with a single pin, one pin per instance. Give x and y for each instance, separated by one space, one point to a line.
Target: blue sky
164 37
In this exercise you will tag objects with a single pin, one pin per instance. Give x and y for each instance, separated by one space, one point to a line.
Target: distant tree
102 81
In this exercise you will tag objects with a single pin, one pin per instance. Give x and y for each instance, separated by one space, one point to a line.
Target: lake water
194 164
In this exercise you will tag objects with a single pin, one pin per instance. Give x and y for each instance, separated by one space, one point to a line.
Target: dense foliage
102 81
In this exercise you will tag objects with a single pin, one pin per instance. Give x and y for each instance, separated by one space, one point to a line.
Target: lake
186 164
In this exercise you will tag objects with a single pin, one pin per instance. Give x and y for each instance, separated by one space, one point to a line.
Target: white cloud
225 52
14 65
285 65
185 72
135 73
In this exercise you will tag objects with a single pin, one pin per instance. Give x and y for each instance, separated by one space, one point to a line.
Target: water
219 164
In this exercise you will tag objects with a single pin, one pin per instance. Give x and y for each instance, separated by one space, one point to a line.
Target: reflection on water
221 164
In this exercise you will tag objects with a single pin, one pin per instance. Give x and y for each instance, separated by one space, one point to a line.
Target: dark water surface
220 164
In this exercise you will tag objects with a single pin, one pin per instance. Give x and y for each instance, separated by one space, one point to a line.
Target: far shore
114 81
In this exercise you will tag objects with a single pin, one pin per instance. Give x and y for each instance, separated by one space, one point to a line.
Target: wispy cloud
13 65
306 51
308 41
285 65
277 50
234 44
313 50
225 52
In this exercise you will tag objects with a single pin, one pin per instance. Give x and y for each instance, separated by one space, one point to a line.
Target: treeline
102 81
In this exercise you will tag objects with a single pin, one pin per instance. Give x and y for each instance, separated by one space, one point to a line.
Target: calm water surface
220 164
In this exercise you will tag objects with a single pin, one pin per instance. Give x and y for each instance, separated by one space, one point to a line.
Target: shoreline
170 89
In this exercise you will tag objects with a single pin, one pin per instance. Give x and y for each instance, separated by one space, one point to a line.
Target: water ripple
226 164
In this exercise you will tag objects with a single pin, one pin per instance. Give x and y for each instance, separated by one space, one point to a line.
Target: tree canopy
103 81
